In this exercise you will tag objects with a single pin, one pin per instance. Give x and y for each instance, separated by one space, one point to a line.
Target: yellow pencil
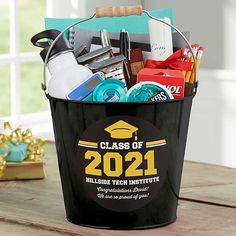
198 61
187 58
195 48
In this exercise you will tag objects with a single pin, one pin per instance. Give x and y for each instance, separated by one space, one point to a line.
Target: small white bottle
66 74
65 71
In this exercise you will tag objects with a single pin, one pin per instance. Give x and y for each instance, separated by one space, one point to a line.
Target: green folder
133 24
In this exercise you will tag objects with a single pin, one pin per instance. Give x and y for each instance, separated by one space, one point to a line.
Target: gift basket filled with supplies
120 112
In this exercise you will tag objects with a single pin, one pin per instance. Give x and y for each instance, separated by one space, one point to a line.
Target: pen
105 38
125 44
198 61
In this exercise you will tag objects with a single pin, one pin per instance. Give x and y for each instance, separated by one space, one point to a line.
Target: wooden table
207 206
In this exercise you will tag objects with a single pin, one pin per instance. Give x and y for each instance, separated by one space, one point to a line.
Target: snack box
173 80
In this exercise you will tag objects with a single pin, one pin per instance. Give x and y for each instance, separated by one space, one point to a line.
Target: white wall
81 8
212 131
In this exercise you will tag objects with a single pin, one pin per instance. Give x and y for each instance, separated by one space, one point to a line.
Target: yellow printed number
133 170
118 167
136 159
149 157
91 168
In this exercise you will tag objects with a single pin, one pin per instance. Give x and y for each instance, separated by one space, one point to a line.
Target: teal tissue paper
17 152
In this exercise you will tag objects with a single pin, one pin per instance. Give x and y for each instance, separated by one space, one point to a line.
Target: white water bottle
66 73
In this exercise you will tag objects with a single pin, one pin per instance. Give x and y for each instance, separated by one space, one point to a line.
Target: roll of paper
160 39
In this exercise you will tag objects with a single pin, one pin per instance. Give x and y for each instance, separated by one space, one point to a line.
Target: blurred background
212 131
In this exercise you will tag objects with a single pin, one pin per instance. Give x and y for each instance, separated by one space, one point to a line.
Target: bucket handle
111 12
118 11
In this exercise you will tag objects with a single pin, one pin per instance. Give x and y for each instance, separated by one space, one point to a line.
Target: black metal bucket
136 185
120 163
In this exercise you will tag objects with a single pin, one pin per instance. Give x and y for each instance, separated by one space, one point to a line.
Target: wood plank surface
39 204
209 183
6 229
193 219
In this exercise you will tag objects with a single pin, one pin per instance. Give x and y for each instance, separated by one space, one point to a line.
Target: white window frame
15 58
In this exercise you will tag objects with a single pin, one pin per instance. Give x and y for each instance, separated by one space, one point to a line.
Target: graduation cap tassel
136 136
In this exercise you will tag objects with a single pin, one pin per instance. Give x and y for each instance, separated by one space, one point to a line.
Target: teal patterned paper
133 24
